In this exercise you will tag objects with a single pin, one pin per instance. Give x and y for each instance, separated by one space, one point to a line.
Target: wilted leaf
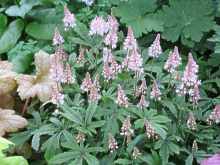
39 85
10 122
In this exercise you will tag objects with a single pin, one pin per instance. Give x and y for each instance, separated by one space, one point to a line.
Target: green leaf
23 9
141 19
188 19
40 31
170 106
189 160
22 56
3 23
91 160
63 157
35 143
4 143
122 161
11 35
14 160
90 112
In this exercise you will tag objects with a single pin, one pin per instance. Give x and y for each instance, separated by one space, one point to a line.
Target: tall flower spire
191 122
87 83
57 97
110 68
111 38
69 19
57 38
143 103
141 90
126 129
135 62
155 93
173 61
122 99
68 74
190 76
98 26
150 131
130 42
112 143
155 49
215 115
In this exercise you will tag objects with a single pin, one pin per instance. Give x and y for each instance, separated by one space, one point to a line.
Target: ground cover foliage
108 82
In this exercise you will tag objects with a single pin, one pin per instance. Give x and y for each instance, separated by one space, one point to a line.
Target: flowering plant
99 95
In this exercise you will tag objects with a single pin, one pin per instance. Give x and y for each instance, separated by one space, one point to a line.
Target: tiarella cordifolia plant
109 99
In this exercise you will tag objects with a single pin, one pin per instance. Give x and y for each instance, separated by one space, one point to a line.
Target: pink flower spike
122 99
190 74
191 122
94 95
98 26
112 143
68 75
143 103
214 160
173 61
87 83
142 88
111 38
135 61
57 38
57 97
215 115
69 19
155 49
155 93
130 42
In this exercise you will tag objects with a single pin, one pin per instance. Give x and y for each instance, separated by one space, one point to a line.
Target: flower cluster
191 122
173 61
189 82
126 129
80 137
155 49
57 38
88 2
57 97
136 153
150 131
98 26
112 143
110 67
122 99
69 19
133 60
155 93
91 87
111 38
215 115
194 146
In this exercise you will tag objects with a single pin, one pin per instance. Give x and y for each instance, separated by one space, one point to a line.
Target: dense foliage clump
111 81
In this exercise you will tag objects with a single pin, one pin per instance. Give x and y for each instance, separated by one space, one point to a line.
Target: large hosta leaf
39 85
10 122
139 15
187 19
11 35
